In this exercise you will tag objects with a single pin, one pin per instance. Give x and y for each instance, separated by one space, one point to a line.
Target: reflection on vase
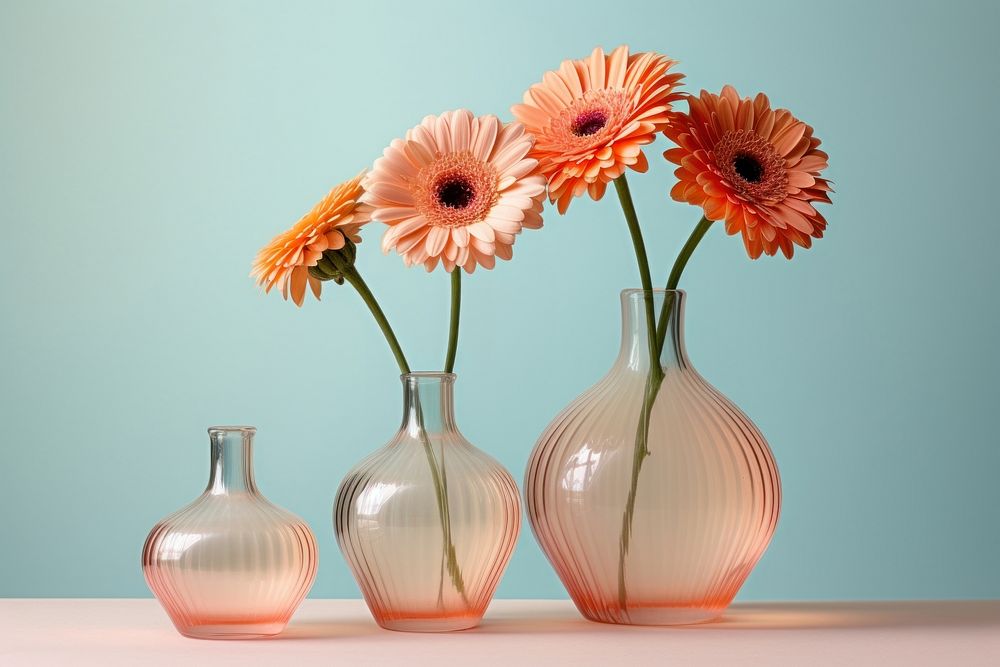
231 565
706 497
428 522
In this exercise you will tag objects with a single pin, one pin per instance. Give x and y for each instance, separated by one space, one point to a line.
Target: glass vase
231 565
428 522
657 524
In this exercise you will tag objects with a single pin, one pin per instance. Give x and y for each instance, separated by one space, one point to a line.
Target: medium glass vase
657 524
231 565
428 522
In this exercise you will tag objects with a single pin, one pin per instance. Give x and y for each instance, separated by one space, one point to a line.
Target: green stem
652 388
456 310
639 454
352 276
440 478
628 208
449 557
675 277
653 381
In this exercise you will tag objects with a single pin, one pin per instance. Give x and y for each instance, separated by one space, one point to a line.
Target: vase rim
232 429
656 290
431 375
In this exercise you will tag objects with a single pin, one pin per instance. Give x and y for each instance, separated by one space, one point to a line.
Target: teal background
147 149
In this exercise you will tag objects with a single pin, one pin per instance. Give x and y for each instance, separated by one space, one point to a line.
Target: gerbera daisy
755 167
591 117
457 189
284 262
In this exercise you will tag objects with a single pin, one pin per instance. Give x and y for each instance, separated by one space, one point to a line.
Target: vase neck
428 402
232 460
635 348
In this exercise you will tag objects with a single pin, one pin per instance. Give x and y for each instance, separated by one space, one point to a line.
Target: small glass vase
428 522
661 538
231 565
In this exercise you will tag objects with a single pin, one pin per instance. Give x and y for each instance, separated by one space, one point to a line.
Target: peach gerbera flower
284 262
457 189
755 167
591 117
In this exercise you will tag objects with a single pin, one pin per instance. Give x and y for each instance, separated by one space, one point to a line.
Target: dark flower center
748 168
589 122
455 193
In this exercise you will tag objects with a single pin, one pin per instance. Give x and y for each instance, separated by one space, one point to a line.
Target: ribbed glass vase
231 565
428 522
661 538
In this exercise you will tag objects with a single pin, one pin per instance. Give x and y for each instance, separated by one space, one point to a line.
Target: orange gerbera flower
591 117
457 190
755 167
284 262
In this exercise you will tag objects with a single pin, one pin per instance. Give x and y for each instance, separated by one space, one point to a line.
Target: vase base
441 624
656 616
232 631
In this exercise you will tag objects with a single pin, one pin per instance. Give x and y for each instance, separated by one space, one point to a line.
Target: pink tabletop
515 633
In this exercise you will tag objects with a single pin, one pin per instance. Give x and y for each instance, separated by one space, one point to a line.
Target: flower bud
335 263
